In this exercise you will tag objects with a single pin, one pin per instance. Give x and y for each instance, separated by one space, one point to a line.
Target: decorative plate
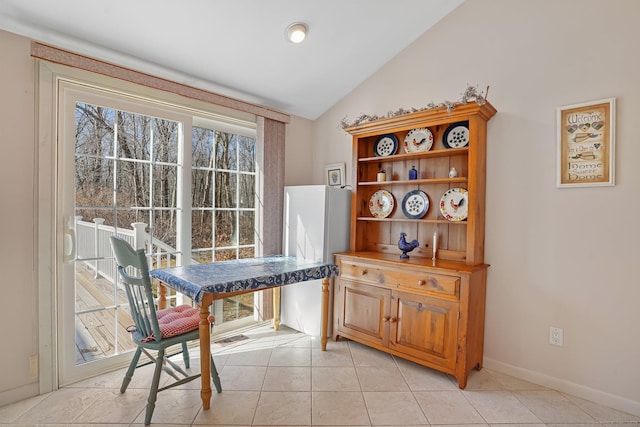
386 145
415 204
456 135
381 204
420 139
454 204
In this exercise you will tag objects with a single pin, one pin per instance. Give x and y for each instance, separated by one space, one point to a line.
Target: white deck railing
94 249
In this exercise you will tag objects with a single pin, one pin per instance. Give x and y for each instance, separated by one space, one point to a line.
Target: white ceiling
236 47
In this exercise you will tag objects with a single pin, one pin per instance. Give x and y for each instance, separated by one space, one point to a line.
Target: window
185 200
223 206
223 190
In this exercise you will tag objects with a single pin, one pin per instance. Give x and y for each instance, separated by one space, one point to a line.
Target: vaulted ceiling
236 47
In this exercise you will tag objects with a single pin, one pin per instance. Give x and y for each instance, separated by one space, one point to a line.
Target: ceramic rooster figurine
405 246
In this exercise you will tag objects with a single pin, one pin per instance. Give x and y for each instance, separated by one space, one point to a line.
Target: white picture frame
334 175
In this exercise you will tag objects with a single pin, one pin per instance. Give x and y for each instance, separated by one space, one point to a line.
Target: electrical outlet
33 367
556 336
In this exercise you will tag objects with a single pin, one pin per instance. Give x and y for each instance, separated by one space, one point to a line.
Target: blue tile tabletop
243 274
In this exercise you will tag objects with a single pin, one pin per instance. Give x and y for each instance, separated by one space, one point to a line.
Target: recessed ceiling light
296 32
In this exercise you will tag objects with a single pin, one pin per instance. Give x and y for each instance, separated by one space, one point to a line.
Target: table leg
205 351
325 314
162 300
276 309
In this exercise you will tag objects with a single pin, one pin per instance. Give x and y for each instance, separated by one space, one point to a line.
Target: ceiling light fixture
296 32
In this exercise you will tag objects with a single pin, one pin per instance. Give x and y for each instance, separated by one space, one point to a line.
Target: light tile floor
284 379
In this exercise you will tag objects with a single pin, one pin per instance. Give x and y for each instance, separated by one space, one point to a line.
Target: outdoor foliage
127 171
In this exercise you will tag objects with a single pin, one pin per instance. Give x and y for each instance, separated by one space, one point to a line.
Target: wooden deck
103 332
96 331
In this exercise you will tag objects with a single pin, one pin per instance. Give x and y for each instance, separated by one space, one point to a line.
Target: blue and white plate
415 204
456 135
386 145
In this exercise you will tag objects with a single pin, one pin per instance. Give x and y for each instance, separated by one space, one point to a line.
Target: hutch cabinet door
364 312
426 328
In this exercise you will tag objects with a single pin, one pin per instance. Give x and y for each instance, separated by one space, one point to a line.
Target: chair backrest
134 275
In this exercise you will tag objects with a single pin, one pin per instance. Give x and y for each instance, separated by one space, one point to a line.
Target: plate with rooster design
454 204
417 140
381 204
415 204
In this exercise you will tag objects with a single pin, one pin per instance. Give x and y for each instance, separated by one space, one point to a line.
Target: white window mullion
183 197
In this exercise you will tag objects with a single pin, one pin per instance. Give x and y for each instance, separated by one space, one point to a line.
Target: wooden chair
154 329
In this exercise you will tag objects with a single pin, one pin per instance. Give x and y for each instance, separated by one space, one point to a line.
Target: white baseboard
607 399
19 393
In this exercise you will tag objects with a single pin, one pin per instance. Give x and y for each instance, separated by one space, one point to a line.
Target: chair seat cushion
178 320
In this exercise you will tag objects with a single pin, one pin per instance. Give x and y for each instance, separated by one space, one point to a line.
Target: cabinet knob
421 282
386 318
364 272
393 319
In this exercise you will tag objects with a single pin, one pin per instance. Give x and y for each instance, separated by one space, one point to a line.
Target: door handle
69 241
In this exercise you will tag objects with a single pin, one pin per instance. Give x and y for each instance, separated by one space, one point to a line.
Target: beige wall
298 152
18 220
559 257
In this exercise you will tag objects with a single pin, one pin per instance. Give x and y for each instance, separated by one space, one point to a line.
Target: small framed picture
586 144
334 175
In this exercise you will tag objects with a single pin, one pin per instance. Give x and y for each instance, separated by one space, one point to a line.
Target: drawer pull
364 272
431 281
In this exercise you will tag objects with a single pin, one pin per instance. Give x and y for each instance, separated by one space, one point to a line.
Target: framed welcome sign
586 144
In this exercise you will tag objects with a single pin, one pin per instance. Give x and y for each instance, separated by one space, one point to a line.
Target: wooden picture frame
334 175
586 144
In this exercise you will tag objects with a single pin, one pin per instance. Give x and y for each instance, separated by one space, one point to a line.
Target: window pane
226 189
225 228
247 154
134 134
94 182
225 254
201 229
246 253
237 307
165 185
202 257
132 183
247 228
165 140
202 188
94 130
247 191
226 147
202 147
165 227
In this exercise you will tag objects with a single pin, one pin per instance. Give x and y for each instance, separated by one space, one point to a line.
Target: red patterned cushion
178 320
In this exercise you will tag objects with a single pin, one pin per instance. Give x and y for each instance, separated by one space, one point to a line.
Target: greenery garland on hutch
428 307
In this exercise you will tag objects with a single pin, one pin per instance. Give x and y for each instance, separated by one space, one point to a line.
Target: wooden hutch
424 309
